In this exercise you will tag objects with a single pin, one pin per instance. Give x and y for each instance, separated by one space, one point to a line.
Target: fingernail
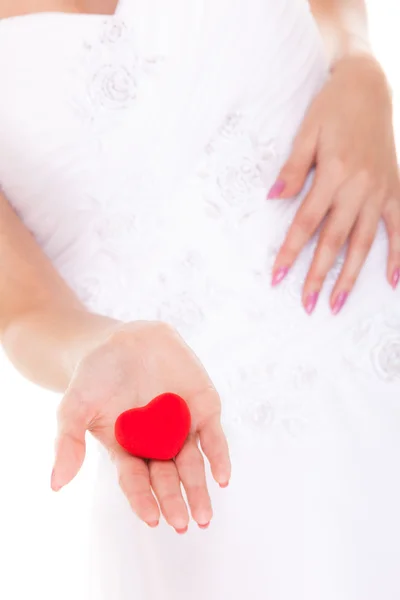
224 485
276 189
279 275
339 302
310 302
204 526
182 531
395 278
53 483
152 523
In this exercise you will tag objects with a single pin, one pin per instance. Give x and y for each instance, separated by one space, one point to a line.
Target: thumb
70 450
293 174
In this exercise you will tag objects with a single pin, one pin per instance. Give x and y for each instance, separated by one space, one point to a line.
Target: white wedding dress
139 150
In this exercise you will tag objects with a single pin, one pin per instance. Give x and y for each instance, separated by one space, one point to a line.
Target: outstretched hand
138 362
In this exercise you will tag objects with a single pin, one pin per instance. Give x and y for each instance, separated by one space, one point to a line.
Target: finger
215 447
361 240
332 239
306 222
190 465
391 217
167 488
134 480
293 174
72 418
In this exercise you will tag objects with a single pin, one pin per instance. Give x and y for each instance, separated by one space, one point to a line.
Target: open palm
138 362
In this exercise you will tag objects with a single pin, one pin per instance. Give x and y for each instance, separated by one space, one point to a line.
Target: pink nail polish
339 302
311 302
182 531
224 485
279 275
204 526
276 189
395 278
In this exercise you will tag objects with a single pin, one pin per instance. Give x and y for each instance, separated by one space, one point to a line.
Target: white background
39 555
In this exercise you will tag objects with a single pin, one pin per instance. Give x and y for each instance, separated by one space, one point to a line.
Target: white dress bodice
131 145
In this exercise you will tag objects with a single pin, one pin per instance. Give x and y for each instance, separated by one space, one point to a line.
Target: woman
162 156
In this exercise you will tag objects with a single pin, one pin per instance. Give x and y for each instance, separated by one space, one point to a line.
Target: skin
9 8
344 25
347 135
56 343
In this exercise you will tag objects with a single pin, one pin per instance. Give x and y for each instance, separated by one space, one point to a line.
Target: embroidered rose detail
304 376
227 130
249 161
386 357
262 415
236 183
113 31
230 126
113 87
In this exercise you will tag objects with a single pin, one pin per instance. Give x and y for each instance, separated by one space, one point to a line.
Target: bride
202 197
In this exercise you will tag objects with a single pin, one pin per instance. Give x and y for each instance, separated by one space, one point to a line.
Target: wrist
46 345
90 331
351 46
364 67
343 40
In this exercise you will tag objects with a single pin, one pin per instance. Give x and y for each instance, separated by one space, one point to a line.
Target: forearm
46 345
344 27
45 329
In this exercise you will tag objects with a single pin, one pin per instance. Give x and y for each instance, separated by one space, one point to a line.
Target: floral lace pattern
238 178
375 346
114 86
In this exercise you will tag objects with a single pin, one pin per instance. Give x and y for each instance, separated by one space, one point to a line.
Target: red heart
157 430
